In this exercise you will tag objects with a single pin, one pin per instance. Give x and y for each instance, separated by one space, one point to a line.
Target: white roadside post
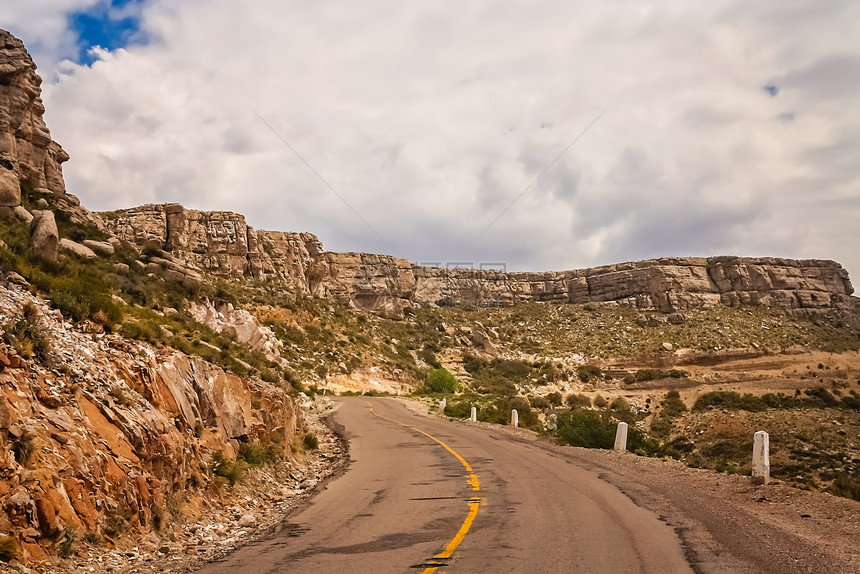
474 415
515 418
621 437
442 404
553 422
761 458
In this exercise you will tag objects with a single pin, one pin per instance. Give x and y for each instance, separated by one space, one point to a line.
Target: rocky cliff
222 243
99 432
27 152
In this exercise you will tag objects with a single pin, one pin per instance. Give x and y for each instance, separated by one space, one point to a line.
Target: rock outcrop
100 441
239 325
27 152
222 243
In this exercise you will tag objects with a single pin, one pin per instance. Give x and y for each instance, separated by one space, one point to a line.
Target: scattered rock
668 346
247 520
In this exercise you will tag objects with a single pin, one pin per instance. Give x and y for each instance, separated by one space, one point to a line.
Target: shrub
554 399
92 538
678 447
68 547
232 471
429 357
847 485
27 335
619 404
256 454
8 548
310 442
527 417
440 381
822 396
117 521
599 402
459 409
539 403
589 429
655 374
22 447
578 401
729 400
661 427
587 373
672 405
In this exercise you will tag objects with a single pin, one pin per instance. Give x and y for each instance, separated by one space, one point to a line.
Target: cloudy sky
541 135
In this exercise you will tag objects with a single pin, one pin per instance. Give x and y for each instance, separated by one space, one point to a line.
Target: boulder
100 247
44 237
76 248
22 214
10 188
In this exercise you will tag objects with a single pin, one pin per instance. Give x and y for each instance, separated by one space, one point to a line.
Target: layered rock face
668 285
113 429
27 152
222 243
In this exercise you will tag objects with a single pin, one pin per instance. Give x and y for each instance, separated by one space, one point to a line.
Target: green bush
554 399
587 373
232 471
655 374
440 381
847 485
589 429
310 442
576 401
256 454
729 400
69 545
672 405
539 403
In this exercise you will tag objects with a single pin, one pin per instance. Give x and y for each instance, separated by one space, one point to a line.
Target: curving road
426 495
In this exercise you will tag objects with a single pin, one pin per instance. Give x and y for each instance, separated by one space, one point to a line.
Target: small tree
440 381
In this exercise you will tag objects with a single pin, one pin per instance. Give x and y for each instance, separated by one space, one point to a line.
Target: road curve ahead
423 495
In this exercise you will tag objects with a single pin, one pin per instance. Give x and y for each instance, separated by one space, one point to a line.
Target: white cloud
429 118
43 26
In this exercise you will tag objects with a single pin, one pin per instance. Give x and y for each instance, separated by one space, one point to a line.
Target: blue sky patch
771 89
111 24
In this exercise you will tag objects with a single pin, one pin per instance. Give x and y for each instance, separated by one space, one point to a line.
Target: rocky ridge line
222 243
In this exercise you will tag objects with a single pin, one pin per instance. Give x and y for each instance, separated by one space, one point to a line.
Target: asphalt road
431 496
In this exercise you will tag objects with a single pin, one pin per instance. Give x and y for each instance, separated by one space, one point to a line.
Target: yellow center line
474 502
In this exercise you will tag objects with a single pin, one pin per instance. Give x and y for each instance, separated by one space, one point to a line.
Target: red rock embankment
98 432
